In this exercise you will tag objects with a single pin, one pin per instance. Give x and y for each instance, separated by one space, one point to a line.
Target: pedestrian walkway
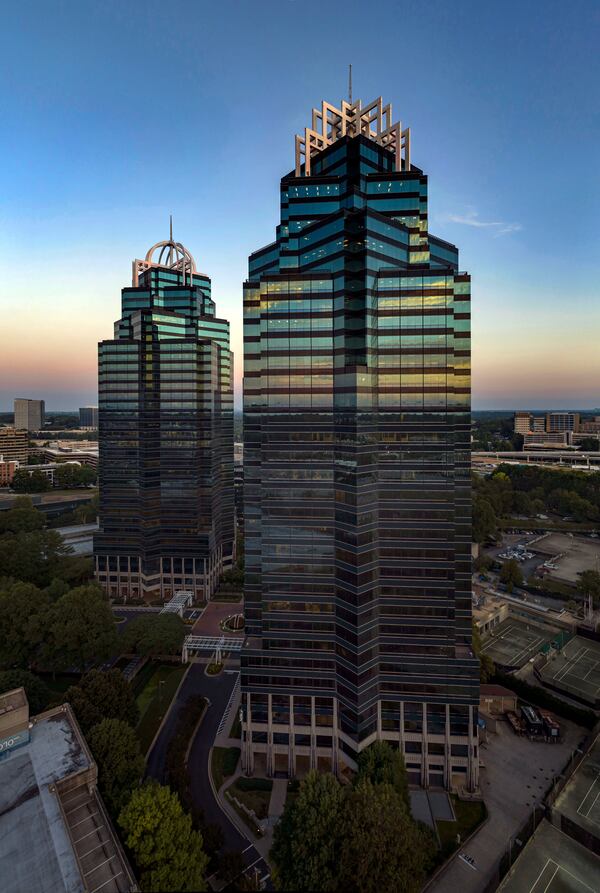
278 795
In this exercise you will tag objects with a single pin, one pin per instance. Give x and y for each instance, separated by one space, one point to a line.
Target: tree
33 556
485 523
82 628
382 847
24 615
511 574
38 693
116 749
590 444
306 842
589 584
154 634
486 664
22 517
167 851
382 764
30 482
102 694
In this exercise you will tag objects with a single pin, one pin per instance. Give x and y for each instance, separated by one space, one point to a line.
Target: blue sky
116 114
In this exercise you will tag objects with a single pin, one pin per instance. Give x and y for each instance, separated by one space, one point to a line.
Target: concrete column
473 765
270 760
291 741
335 743
447 761
401 731
424 750
313 734
248 764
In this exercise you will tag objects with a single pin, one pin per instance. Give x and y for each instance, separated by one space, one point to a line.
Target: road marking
466 861
227 710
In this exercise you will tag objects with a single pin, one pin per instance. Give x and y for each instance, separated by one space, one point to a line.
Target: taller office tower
165 435
29 414
356 464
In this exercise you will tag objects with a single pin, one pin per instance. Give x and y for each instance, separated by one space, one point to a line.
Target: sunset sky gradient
116 115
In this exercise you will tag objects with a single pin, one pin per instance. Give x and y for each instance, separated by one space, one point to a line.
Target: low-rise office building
8 467
55 833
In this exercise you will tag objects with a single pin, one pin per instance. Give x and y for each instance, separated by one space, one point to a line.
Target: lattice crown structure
373 121
172 255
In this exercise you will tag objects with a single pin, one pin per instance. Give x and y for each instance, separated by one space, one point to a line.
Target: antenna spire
350 83
170 227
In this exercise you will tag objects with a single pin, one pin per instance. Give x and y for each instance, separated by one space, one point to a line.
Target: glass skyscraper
165 435
357 501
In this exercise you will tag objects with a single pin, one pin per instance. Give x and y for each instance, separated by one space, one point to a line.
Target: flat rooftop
50 843
579 800
553 863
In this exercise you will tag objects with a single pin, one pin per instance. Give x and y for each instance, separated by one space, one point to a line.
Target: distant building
88 418
562 421
590 426
14 445
7 470
29 414
165 435
554 429
547 440
522 422
55 833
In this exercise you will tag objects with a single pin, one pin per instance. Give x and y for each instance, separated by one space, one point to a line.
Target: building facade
14 445
357 493
165 435
29 414
88 417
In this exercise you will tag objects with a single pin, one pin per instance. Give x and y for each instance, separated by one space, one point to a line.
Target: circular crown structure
171 254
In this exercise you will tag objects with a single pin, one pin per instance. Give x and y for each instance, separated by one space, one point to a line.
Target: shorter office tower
14 445
55 833
88 417
29 414
165 435
522 422
562 421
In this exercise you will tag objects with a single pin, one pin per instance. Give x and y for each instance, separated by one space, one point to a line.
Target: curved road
217 691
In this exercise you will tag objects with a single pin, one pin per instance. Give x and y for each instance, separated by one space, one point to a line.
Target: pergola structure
182 599
218 644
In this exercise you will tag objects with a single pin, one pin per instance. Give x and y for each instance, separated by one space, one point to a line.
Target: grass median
223 764
154 699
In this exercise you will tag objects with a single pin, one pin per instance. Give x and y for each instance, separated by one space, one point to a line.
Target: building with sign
55 833
357 492
165 435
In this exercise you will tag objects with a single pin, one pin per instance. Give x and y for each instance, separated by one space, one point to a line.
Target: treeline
67 477
531 490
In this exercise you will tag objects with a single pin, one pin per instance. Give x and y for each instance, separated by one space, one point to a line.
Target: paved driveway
217 689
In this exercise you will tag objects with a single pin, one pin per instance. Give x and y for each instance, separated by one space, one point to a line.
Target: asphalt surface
217 690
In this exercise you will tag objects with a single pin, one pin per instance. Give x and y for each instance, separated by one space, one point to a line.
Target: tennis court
580 800
575 670
553 863
514 642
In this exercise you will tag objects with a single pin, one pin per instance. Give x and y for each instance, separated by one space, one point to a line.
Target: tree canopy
382 764
102 694
589 584
82 628
24 618
154 634
30 482
486 664
306 841
382 848
511 574
116 749
38 693
167 851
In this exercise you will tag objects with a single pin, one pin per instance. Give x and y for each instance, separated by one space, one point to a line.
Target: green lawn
469 814
224 762
154 699
254 793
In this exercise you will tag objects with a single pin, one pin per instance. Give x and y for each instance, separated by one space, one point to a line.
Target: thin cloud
499 227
